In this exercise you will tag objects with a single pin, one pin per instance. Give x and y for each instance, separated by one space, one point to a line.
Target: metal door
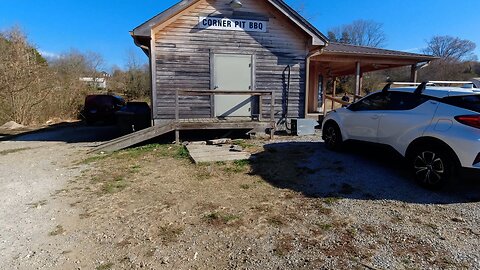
233 73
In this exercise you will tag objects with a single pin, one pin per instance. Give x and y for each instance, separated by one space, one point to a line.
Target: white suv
436 128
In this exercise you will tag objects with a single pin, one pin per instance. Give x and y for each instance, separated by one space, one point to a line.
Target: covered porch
337 60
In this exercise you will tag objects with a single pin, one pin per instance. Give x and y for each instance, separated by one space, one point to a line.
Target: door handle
375 117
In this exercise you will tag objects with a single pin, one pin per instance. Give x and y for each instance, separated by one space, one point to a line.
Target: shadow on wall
360 173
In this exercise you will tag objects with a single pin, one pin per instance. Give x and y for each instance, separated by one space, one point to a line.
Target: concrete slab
215 153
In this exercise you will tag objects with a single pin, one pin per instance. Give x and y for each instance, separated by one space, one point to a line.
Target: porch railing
212 93
335 100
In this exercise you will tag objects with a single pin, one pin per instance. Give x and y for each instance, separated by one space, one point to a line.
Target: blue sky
56 26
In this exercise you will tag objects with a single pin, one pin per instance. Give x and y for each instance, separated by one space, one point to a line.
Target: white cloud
48 54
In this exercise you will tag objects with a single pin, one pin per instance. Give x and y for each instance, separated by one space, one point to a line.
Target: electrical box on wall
302 127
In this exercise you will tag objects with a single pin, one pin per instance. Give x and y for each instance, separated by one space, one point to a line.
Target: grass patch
242 143
116 185
238 166
135 169
217 218
276 221
324 210
104 266
93 159
38 204
283 246
325 226
58 230
169 234
245 186
139 151
330 200
11 151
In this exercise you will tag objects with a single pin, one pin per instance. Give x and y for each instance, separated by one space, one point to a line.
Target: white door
362 122
362 126
233 73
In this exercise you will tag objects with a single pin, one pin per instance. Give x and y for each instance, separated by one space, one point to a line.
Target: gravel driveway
322 210
34 170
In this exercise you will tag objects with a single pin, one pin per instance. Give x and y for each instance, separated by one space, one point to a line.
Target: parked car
101 108
134 116
436 128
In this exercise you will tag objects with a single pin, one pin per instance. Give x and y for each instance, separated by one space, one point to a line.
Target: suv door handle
375 117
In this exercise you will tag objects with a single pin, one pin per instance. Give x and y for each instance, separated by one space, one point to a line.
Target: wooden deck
182 125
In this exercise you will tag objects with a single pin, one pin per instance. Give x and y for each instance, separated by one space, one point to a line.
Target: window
471 102
398 101
375 102
401 101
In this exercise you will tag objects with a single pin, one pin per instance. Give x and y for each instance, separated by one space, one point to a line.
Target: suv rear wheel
432 166
332 136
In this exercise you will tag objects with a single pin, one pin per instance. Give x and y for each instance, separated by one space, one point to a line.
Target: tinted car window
471 102
389 101
375 102
405 101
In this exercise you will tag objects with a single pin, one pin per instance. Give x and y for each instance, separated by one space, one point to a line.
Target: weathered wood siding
183 54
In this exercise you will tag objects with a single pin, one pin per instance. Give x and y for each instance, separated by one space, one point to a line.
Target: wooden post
177 108
334 92
358 85
177 136
272 116
324 93
414 74
260 107
177 117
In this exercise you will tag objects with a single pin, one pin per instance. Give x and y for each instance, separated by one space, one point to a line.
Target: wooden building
215 62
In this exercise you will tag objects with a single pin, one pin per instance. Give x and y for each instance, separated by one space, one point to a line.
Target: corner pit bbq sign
215 23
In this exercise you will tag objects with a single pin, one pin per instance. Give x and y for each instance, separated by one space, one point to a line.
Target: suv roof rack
422 86
432 83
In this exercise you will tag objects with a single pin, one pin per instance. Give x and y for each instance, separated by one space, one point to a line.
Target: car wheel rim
330 136
429 167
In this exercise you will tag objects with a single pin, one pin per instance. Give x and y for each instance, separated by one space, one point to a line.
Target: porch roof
339 59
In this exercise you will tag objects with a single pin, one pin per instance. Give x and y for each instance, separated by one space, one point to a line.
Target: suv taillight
469 120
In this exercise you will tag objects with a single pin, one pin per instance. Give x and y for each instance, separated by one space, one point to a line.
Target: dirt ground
293 206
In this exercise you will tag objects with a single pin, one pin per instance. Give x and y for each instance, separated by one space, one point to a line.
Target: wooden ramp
177 126
135 138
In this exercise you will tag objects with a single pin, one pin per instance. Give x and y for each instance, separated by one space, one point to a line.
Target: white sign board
216 23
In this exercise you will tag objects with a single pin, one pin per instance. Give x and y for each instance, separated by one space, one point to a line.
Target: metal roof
341 48
144 30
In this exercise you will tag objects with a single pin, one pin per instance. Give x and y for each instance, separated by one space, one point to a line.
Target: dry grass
12 151
58 231
158 202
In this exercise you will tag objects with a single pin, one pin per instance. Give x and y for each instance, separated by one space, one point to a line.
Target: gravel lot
295 206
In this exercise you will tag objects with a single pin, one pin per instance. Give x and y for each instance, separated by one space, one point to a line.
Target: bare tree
25 81
360 32
134 82
451 48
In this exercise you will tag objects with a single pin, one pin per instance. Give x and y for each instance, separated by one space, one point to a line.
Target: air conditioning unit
302 127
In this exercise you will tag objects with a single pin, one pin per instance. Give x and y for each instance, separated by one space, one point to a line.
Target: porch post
324 93
358 83
334 91
414 73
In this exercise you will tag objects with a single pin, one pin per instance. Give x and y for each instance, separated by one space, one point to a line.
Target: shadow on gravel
77 132
359 172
